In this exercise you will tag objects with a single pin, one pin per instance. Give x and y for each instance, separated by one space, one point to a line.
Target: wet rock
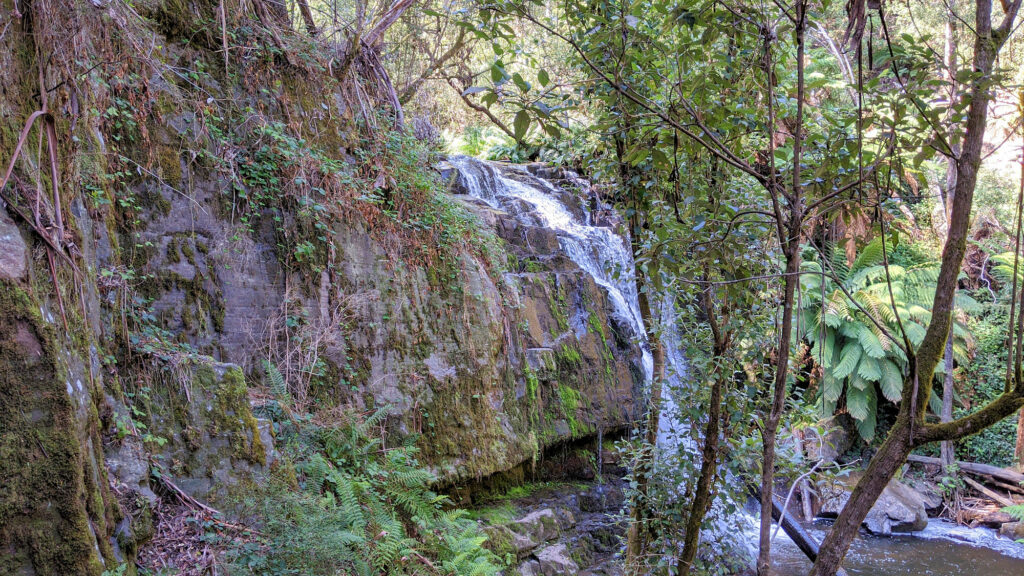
600 498
556 561
1014 530
898 509
12 249
538 527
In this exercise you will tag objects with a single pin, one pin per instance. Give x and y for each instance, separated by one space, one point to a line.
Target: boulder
538 527
830 439
556 561
930 494
1013 530
899 508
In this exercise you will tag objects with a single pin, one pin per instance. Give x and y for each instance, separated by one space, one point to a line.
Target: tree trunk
791 250
947 449
637 536
307 17
709 454
948 454
884 465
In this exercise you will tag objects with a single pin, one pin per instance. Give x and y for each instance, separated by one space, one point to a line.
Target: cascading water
598 250
607 257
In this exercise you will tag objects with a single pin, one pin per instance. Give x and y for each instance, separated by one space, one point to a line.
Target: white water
598 250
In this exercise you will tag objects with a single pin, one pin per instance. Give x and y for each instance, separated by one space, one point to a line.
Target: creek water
943 549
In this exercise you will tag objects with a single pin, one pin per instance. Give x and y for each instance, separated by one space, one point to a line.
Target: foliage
356 506
861 358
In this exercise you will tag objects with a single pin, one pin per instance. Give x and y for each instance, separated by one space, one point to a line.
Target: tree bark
307 17
790 245
637 536
910 429
948 454
709 454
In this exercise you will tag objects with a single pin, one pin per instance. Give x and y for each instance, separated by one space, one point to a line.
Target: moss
568 355
231 413
173 256
49 503
570 399
169 161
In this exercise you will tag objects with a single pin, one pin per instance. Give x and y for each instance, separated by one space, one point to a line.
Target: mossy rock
55 509
213 439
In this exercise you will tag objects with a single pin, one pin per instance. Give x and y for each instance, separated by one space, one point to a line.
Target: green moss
569 355
172 251
169 161
231 413
49 504
570 399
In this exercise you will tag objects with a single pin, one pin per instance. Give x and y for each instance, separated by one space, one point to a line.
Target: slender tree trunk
1018 451
948 452
948 455
1019 446
709 454
307 17
637 536
791 250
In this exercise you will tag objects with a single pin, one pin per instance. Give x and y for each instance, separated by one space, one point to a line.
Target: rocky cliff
185 228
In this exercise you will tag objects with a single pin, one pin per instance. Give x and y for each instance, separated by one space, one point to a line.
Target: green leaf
520 82
542 77
848 360
869 369
857 402
521 124
891 381
866 426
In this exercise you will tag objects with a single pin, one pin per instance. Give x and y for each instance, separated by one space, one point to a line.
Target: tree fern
849 319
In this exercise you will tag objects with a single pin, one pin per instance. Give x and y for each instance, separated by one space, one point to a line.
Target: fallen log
804 541
999 498
974 468
991 517
1004 485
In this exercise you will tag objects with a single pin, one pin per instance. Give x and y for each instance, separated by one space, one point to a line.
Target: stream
942 549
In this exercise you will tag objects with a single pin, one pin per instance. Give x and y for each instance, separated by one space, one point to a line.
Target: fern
854 329
363 510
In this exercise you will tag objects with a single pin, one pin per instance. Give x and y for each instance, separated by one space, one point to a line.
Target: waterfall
608 258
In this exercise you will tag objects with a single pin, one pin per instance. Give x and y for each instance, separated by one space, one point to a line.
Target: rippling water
942 549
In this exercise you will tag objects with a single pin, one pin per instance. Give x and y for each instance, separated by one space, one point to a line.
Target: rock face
209 238
898 509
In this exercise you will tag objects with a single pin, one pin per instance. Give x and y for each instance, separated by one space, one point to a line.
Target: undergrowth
342 502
